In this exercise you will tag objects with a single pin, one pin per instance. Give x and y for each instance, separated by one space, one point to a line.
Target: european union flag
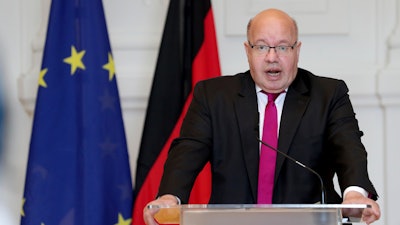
78 169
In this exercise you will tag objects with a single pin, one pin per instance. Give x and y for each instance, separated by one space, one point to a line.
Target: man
316 126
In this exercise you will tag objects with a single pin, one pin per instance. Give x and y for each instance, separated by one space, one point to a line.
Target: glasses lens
279 50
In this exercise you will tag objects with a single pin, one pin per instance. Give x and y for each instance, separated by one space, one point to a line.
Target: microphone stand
323 194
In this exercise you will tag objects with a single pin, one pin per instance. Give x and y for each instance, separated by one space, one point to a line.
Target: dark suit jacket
318 128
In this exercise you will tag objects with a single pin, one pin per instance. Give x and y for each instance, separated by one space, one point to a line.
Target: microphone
323 194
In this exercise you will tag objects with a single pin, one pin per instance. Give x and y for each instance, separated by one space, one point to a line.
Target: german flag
188 54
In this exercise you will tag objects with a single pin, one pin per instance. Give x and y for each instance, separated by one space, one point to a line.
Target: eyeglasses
280 50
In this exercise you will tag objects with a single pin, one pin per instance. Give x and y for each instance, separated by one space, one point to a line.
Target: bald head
272 17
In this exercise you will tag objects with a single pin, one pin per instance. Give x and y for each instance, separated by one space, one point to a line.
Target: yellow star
110 66
75 60
22 208
121 220
42 82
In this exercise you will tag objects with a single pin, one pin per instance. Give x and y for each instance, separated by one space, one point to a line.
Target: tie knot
271 96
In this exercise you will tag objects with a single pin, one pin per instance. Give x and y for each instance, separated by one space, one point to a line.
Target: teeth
273 73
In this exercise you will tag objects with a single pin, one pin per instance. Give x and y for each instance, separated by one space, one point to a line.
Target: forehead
272 27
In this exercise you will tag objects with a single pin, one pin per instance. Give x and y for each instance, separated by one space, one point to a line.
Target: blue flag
78 167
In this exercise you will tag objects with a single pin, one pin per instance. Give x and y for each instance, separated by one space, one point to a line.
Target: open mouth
273 72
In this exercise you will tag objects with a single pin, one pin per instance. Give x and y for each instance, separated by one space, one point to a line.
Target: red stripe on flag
149 189
205 65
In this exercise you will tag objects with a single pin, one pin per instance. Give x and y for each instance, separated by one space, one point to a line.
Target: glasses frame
274 47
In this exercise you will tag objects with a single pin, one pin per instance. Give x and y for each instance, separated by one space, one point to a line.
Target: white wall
356 40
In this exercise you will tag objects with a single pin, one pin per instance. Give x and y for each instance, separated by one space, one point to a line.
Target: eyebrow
262 42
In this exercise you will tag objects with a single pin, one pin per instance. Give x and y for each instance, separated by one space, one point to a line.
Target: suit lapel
296 102
247 117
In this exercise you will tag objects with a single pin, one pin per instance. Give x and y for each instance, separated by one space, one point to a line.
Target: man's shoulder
317 83
228 78
227 84
305 74
227 81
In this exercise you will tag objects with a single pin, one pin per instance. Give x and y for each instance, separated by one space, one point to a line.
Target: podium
279 214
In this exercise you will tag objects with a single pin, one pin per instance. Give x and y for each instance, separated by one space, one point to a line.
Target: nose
271 55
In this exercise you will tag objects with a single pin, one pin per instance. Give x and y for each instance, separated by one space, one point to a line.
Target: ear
247 48
298 48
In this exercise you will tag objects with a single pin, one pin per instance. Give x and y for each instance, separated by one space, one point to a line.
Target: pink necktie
266 171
